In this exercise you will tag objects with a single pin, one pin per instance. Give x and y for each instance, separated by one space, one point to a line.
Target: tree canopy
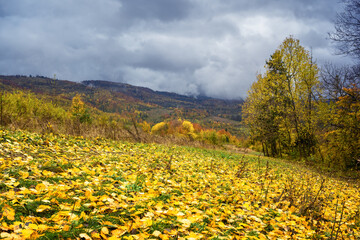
280 109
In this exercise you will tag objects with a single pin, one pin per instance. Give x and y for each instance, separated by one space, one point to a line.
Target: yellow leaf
156 233
40 187
66 228
105 230
292 209
10 194
18 227
42 227
138 212
185 222
107 223
33 226
4 227
24 174
246 205
84 235
222 225
5 235
9 213
103 236
83 216
79 226
172 232
95 235
42 208
27 233
113 238
119 232
194 236
164 237
88 194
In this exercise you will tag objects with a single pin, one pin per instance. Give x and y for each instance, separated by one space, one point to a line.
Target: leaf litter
62 187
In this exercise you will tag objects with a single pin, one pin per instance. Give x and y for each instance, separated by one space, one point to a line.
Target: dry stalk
242 168
168 165
341 216
333 227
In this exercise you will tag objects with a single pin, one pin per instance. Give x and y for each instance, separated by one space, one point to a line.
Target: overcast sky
209 47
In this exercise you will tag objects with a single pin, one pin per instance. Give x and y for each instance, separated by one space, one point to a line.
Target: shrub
159 128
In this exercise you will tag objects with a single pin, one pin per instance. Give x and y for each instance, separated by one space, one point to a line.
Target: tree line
300 110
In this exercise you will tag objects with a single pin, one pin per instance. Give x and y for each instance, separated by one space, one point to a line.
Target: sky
193 47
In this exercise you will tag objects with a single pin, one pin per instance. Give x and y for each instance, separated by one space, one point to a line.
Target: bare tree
347 29
334 79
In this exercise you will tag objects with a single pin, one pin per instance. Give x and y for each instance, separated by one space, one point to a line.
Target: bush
25 111
159 128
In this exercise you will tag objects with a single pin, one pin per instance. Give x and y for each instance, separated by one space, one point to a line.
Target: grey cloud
214 48
302 9
164 10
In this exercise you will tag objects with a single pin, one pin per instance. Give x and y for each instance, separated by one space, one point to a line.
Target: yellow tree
342 138
280 108
80 113
302 85
265 105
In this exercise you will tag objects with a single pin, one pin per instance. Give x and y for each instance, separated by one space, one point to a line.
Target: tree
347 29
302 85
280 108
341 116
341 137
342 88
335 79
80 113
260 116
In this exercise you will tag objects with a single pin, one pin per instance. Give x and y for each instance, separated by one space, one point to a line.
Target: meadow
63 187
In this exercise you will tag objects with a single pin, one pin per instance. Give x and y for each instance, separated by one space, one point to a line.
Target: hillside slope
122 98
57 187
170 100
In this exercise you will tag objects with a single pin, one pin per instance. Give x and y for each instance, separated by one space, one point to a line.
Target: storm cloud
214 48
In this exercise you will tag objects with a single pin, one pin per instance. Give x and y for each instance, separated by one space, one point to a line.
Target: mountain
121 97
170 100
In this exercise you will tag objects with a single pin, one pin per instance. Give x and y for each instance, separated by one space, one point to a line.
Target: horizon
108 81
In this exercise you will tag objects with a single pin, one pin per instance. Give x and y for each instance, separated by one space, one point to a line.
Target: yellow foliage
187 127
145 127
159 128
143 191
77 105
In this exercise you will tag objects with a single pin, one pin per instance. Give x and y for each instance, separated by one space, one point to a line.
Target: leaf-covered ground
55 187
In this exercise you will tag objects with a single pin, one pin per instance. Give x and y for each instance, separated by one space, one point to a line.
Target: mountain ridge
141 92
125 98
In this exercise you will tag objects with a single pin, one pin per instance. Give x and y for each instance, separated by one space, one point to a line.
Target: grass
74 187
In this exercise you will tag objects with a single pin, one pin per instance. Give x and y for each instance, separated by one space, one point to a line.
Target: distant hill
121 97
170 100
